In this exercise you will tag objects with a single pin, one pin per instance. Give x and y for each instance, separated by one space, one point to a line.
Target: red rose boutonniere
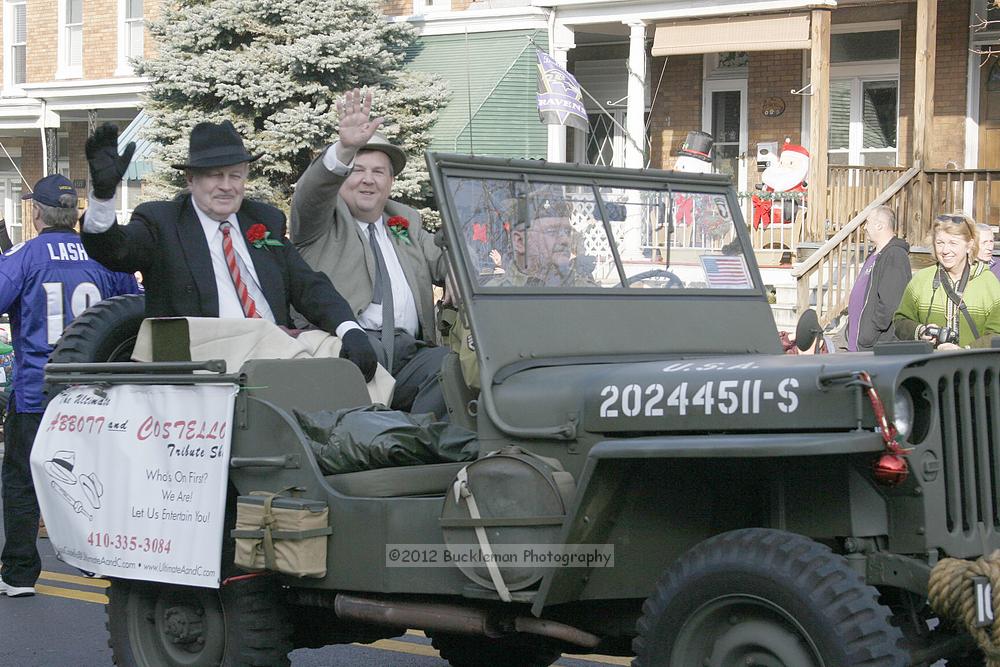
400 228
259 237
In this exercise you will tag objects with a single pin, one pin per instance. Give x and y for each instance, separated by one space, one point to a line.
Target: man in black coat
880 284
212 253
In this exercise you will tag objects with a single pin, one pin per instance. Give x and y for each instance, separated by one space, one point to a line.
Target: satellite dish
807 330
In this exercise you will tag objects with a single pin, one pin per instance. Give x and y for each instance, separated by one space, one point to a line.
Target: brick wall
100 38
151 12
950 96
677 107
78 168
397 7
43 21
772 74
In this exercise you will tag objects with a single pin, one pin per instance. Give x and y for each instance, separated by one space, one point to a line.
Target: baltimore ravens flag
560 101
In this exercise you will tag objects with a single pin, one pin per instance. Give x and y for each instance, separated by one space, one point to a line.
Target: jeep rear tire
471 651
765 597
104 332
242 624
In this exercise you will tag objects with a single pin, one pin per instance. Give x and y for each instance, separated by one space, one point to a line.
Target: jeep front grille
968 405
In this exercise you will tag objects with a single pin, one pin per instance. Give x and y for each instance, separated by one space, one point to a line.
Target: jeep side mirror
807 329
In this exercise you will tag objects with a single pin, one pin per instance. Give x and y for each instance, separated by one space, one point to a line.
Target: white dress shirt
403 303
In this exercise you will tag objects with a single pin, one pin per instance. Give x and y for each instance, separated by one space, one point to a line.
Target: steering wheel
673 281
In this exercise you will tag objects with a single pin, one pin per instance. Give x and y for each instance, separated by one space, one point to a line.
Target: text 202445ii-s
651 476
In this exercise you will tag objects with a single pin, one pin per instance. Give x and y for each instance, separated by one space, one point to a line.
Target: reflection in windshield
521 233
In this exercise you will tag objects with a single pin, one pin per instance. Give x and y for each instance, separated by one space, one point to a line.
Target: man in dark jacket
212 253
880 283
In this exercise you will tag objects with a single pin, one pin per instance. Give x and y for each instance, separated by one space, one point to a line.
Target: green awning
493 81
142 163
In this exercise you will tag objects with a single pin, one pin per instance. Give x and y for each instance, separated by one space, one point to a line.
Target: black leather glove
358 349
107 167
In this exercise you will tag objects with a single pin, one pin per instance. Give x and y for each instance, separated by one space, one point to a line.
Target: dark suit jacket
165 241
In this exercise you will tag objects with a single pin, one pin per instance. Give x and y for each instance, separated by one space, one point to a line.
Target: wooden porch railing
834 267
850 189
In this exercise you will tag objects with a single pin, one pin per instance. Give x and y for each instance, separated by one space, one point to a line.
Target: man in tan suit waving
374 250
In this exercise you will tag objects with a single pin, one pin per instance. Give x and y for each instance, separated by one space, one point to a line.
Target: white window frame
721 86
856 132
124 66
867 70
65 70
9 87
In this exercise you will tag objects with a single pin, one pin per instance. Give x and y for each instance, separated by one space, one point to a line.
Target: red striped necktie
249 307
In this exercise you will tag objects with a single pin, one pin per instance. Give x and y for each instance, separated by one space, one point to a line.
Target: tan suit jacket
328 238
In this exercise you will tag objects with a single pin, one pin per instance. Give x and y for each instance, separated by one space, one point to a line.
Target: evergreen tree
275 69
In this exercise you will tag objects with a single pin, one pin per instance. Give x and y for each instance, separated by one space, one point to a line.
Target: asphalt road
63 626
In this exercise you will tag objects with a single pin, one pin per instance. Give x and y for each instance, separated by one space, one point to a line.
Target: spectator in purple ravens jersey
44 284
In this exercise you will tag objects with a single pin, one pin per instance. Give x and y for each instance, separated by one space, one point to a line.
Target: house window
134 26
16 37
873 45
71 43
864 94
863 120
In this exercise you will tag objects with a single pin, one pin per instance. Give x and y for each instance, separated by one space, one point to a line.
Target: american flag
726 271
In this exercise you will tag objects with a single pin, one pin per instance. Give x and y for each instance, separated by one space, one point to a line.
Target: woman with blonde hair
956 302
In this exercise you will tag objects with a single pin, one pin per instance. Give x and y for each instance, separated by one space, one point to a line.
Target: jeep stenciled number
651 476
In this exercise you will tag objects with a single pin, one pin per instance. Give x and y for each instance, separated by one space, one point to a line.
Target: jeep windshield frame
513 324
568 229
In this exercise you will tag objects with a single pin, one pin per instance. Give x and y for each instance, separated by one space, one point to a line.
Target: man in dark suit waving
212 253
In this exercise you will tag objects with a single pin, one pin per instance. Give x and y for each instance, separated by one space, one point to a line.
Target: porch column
557 133
819 124
923 107
923 80
635 120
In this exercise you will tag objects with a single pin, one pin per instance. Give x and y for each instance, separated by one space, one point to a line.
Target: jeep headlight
902 412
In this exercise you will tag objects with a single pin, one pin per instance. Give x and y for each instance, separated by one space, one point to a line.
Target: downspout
45 144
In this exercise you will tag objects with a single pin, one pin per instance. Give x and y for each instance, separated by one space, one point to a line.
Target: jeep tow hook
442 617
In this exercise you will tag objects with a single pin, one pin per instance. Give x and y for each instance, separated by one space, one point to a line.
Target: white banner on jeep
131 479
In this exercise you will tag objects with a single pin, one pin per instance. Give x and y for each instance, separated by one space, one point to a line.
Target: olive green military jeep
669 485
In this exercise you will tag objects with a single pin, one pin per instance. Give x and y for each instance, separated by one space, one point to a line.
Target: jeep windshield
538 233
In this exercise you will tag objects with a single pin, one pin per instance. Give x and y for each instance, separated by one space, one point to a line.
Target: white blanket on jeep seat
237 340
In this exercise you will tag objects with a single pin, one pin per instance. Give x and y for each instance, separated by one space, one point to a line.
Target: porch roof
744 33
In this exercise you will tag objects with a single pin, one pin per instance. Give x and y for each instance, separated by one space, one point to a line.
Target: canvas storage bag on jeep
508 497
281 534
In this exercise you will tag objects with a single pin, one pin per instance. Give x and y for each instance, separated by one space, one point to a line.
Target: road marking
85 596
600 659
73 579
403 647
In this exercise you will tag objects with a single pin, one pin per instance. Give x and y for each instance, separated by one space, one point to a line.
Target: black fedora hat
215 145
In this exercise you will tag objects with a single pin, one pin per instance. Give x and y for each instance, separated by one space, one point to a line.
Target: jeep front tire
765 597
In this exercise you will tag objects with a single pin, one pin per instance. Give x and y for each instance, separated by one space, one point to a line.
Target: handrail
855 222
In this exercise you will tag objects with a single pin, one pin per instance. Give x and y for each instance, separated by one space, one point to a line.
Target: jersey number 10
84 296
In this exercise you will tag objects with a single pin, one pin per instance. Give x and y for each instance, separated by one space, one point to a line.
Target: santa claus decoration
785 177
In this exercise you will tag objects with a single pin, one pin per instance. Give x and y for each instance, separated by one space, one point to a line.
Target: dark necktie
382 293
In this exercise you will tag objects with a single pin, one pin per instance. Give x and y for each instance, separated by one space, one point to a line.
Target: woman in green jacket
957 292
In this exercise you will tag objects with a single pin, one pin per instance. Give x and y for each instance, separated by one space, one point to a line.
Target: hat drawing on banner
61 466
93 489
695 154
215 145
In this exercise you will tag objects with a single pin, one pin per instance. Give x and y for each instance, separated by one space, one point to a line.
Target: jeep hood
750 393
